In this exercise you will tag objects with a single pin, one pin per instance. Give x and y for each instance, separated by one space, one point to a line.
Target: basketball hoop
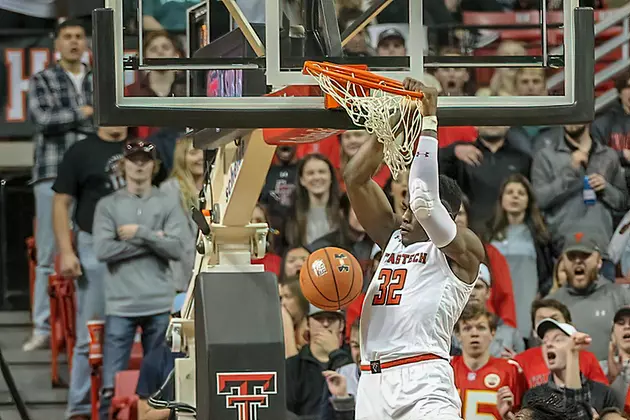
381 105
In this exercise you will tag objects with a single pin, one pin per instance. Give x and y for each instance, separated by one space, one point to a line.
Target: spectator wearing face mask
592 300
324 352
480 168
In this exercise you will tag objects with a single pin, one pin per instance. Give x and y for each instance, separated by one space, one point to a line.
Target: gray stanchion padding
239 347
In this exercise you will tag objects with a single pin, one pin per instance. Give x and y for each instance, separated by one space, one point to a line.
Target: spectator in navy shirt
156 367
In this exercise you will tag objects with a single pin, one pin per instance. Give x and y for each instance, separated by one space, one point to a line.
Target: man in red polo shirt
534 367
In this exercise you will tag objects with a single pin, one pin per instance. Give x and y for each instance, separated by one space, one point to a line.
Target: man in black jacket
480 168
305 382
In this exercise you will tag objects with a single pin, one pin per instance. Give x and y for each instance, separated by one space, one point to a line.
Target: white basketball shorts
416 391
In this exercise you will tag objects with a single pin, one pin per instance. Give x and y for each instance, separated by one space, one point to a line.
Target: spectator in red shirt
478 375
532 361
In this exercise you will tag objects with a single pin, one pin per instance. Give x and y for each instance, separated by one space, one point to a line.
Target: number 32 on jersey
390 288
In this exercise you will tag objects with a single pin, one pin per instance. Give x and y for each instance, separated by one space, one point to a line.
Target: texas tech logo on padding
247 391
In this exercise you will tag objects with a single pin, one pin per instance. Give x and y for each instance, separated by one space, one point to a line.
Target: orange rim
359 77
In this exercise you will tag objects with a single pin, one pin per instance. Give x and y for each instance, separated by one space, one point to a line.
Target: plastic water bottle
590 198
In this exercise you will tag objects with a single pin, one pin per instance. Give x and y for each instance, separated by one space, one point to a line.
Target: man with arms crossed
421 285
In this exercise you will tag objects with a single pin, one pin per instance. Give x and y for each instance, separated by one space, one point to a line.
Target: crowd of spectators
549 202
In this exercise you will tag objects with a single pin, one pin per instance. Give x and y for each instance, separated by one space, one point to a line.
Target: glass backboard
258 51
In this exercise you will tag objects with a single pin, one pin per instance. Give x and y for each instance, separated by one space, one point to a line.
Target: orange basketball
331 278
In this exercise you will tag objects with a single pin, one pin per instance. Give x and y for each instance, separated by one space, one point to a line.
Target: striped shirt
54 108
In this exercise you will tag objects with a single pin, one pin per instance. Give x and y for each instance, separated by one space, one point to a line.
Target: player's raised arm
368 200
462 246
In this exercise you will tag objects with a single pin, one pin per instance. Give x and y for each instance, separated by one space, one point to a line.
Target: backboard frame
112 108
277 77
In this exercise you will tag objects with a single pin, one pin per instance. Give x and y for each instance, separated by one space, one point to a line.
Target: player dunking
420 287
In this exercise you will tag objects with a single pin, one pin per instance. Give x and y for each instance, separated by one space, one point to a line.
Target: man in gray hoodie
137 231
591 299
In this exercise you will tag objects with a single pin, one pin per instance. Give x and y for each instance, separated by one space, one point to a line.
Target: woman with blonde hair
185 183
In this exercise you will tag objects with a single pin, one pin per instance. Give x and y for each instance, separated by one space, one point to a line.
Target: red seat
125 401
554 36
62 320
135 361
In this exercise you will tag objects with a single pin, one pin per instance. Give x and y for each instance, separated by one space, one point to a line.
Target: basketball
331 278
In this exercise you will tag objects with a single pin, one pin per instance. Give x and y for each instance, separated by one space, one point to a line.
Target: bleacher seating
532 38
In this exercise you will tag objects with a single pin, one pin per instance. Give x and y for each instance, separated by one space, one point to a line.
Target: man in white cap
561 346
507 340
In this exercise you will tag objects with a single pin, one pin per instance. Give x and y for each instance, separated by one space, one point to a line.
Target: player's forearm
364 163
424 192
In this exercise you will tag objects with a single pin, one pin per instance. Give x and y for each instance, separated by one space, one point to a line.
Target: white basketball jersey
412 303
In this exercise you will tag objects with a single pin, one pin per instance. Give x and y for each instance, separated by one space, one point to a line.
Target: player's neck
318 200
476 363
319 353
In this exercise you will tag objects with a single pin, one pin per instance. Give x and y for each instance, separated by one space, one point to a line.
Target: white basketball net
380 112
